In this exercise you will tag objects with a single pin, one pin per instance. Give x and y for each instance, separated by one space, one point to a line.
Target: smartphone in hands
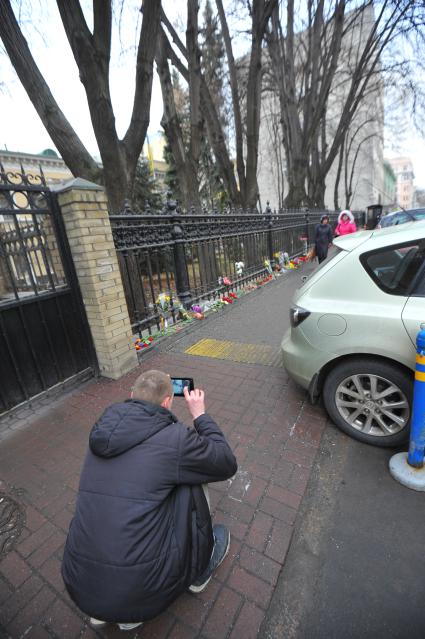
179 383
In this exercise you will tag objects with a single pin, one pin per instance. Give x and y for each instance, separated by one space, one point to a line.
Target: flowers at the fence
284 259
143 342
264 280
182 313
268 267
226 281
291 265
196 308
164 303
227 300
233 296
239 267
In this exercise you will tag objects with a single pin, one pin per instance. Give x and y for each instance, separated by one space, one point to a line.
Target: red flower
151 339
233 295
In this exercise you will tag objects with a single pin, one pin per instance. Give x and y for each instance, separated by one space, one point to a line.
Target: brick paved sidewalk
275 435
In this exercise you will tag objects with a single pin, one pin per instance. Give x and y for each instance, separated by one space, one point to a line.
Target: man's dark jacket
142 530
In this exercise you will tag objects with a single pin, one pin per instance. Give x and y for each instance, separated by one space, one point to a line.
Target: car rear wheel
370 401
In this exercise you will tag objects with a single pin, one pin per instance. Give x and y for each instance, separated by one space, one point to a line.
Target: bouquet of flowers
198 311
268 267
164 303
143 342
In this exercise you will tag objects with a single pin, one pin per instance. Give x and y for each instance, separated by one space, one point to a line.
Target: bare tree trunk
295 63
282 56
215 131
248 193
186 174
236 103
194 68
253 104
69 145
338 176
92 55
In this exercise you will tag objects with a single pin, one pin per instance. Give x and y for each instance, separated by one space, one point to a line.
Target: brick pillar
85 214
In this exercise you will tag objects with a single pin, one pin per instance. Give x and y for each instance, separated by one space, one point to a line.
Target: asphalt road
355 568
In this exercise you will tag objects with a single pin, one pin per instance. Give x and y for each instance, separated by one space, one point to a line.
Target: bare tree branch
63 135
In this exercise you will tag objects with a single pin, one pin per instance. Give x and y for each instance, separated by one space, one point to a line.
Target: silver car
353 331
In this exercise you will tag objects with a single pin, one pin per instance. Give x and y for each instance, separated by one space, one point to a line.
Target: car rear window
395 269
387 220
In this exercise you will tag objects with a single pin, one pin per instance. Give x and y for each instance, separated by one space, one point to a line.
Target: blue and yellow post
408 468
415 456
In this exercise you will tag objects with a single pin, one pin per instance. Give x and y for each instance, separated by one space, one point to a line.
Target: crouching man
142 531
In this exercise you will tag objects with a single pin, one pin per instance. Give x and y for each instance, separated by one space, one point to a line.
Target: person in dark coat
142 531
322 238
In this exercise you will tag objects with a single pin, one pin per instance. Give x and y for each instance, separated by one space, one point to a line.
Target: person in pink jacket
345 224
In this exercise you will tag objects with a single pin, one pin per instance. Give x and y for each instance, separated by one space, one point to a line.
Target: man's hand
195 401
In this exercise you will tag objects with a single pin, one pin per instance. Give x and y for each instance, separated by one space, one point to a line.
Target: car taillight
297 315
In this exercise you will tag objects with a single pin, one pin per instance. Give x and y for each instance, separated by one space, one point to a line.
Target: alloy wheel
372 404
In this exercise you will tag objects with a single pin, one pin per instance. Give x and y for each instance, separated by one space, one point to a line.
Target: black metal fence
188 255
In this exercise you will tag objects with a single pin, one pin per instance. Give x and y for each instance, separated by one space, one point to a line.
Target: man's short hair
153 386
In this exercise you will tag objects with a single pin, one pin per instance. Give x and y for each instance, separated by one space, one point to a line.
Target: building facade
403 169
53 167
153 151
56 171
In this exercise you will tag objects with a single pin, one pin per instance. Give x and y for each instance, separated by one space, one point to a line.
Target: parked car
400 217
353 331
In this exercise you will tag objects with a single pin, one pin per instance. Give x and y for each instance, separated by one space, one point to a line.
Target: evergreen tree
212 191
182 107
145 189
213 56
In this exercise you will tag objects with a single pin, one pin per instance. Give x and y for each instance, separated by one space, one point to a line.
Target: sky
20 126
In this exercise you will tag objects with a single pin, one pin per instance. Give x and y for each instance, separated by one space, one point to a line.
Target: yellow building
153 151
54 168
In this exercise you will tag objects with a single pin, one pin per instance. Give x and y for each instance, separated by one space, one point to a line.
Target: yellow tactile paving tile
235 352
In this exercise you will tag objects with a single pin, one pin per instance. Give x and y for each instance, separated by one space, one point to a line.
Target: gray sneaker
98 623
220 550
129 626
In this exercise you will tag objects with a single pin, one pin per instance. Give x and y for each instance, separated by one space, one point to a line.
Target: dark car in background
400 217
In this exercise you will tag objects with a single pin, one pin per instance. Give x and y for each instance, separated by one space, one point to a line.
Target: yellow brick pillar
85 214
